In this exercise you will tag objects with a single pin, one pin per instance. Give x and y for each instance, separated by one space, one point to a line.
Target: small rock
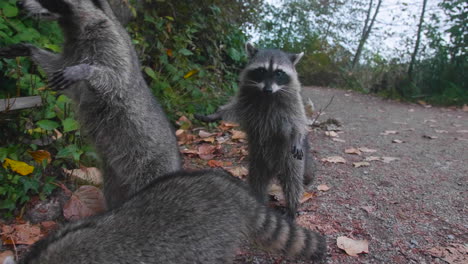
451 237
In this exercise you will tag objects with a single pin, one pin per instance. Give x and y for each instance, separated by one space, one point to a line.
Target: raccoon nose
20 4
268 89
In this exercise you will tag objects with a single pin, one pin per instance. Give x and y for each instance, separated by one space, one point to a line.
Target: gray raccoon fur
187 217
269 109
100 71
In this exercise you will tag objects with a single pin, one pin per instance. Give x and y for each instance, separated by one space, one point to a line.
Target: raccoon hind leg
259 178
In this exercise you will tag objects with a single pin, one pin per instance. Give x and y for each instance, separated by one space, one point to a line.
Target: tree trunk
418 40
366 32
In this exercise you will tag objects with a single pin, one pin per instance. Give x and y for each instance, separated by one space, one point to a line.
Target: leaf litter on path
334 159
323 187
367 150
87 175
389 132
21 234
355 151
361 164
452 254
352 247
84 202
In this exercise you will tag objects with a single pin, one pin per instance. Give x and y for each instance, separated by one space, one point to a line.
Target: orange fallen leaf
215 163
227 125
352 247
323 187
86 201
306 196
23 234
205 151
334 159
40 155
236 134
353 151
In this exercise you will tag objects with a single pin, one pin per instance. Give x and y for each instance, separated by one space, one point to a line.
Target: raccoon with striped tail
186 217
269 109
99 69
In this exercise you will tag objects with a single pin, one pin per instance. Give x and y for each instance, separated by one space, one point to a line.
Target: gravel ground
404 207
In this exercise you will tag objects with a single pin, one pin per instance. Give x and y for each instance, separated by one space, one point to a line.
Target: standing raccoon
269 109
187 217
100 71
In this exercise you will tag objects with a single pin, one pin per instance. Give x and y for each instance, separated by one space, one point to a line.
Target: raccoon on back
99 69
269 109
186 217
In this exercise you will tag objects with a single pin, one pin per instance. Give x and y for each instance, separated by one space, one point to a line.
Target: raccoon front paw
16 50
297 152
63 79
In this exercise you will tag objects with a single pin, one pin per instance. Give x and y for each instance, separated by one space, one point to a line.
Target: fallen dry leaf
323 187
90 175
389 132
208 139
353 151
237 134
306 197
205 134
338 140
18 166
372 158
205 151
22 234
352 247
40 155
361 164
453 254
397 141
239 172
368 208
7 257
367 150
388 159
334 159
227 125
184 137
215 163
184 123
86 201
331 134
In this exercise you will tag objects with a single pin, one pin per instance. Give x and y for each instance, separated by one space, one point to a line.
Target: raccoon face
270 70
56 9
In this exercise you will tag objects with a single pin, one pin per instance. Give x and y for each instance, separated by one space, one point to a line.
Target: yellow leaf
18 166
190 73
40 155
169 52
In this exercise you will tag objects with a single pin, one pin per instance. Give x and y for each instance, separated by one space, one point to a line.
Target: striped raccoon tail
276 234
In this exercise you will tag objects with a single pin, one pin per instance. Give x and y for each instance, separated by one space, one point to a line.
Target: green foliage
191 52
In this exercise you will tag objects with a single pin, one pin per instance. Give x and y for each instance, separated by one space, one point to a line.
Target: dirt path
404 207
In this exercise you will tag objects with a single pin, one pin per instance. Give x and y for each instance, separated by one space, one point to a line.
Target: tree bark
418 40
366 32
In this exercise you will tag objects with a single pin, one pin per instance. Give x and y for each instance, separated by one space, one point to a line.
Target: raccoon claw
16 50
297 152
68 76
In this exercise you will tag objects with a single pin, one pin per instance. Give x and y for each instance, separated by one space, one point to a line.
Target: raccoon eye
281 78
258 75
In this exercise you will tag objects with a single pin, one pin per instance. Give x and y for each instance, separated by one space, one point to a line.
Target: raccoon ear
296 57
250 50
